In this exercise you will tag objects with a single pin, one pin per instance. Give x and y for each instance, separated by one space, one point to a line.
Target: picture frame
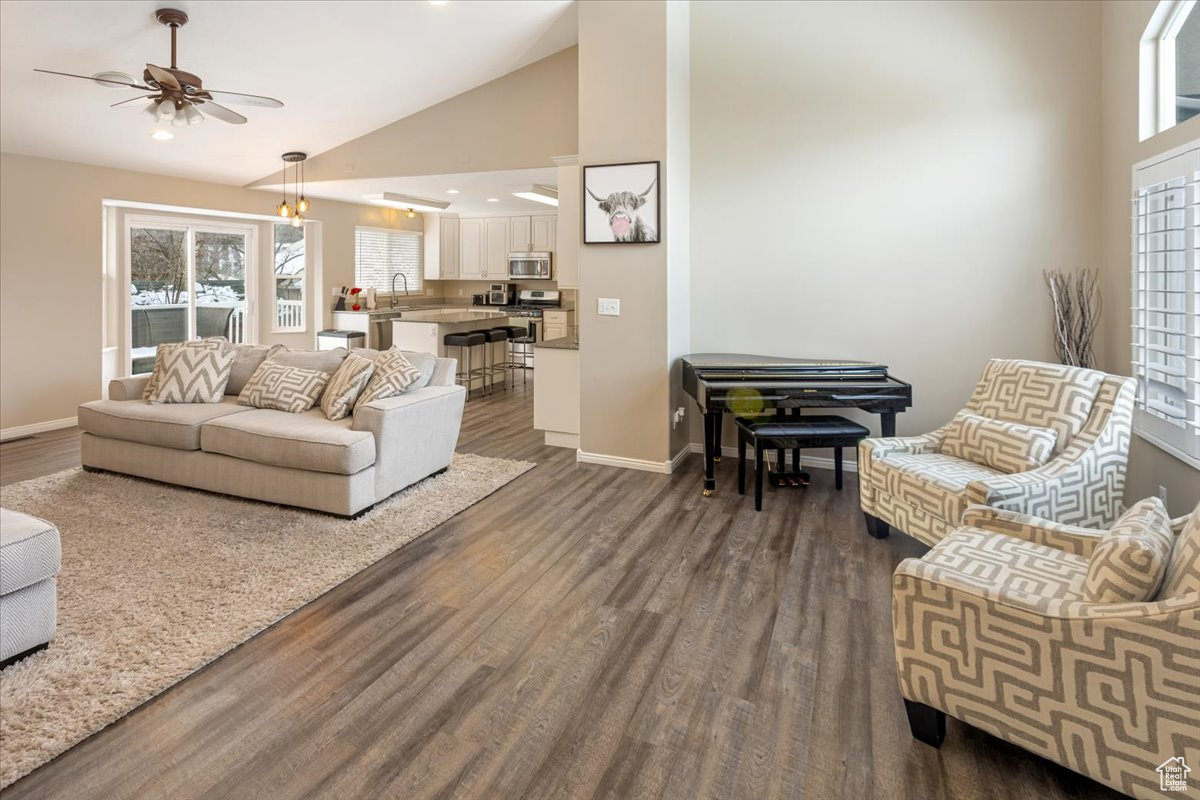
621 203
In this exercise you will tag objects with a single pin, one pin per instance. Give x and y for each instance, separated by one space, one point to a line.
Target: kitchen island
425 330
556 390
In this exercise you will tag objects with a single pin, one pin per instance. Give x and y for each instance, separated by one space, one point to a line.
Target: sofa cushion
994 561
165 349
1007 446
175 425
192 375
30 550
1032 393
1131 559
284 388
246 359
326 361
301 441
933 482
1183 574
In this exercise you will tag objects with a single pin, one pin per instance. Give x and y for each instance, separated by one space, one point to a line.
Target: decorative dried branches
1076 300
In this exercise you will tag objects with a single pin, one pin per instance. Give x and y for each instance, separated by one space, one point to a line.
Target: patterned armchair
906 482
991 629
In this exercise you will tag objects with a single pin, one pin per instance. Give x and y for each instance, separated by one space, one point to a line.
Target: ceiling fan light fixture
166 109
192 115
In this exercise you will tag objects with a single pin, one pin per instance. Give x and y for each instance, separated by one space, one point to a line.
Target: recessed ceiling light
438 2
452 191
493 199
162 135
539 194
406 202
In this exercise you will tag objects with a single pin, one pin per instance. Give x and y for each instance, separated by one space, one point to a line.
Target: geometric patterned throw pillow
284 388
1183 574
346 385
1009 447
168 347
1131 559
394 374
192 374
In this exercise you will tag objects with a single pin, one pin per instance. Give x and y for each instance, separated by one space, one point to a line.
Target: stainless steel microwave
529 266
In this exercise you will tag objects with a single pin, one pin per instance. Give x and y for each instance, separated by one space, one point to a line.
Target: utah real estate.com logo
1172 775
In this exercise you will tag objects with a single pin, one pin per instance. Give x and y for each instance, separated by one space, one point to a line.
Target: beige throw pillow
192 374
346 385
247 358
1183 574
1005 446
394 375
167 348
1131 559
284 388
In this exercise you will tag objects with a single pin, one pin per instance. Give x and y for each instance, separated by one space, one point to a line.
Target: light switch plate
608 307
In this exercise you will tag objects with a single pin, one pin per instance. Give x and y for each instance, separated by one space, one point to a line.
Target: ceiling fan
175 95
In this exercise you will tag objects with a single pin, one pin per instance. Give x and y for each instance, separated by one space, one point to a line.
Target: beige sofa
342 467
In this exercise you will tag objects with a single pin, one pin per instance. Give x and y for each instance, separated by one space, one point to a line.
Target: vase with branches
1075 297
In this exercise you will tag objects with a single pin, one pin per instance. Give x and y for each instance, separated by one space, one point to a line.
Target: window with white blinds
1166 302
380 253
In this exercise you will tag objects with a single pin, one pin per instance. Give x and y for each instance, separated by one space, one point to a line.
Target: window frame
1156 67
420 267
1181 442
277 277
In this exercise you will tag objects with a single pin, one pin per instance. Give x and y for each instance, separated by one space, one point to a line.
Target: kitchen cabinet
541 234
556 323
450 240
556 396
495 253
471 249
520 237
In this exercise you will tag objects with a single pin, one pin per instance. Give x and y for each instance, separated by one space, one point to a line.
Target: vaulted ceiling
342 69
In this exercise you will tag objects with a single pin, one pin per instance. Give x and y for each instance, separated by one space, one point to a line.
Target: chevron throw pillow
284 388
394 375
346 385
193 373
166 349
1131 560
1006 446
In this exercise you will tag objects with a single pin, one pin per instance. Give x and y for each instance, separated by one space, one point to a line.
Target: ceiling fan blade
240 98
130 100
106 81
164 78
221 112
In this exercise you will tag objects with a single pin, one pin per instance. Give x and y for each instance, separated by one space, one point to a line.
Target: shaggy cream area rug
158 581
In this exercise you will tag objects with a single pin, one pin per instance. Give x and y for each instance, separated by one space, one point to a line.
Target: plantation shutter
380 253
1165 313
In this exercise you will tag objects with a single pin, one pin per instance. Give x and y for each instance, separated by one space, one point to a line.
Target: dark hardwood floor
584 632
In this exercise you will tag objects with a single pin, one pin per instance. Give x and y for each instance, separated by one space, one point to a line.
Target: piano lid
741 361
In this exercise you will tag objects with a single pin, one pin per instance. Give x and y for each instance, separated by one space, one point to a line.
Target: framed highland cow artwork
620 203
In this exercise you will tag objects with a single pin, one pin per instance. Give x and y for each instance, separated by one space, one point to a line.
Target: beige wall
516 121
1122 26
887 181
51 253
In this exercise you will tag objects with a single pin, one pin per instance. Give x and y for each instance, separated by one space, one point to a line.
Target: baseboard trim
816 462
680 457
663 467
21 431
568 440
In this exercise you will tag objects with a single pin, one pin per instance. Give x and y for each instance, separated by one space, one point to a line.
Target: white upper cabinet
470 251
477 248
496 249
542 238
451 243
519 236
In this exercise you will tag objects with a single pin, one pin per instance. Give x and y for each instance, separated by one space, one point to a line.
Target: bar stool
492 369
468 341
518 337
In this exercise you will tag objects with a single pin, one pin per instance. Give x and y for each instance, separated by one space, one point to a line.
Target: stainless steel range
530 304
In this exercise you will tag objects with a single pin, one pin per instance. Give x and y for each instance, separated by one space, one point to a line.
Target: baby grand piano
746 385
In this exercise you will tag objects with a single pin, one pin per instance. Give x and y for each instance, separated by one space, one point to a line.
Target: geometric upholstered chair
993 629
909 484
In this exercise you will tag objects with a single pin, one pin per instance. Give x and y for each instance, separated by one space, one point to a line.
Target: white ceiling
474 190
342 69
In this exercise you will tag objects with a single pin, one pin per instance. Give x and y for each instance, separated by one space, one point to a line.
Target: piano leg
887 422
710 432
717 442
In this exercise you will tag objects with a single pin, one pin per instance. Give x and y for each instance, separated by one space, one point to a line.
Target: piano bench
795 434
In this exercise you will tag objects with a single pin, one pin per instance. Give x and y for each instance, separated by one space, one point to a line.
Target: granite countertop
402 305
450 317
569 342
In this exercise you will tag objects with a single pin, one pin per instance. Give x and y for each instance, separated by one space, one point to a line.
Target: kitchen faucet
392 297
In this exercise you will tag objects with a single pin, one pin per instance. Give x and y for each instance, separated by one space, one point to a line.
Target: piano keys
748 384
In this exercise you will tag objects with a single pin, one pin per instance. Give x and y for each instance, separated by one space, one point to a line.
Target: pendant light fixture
300 204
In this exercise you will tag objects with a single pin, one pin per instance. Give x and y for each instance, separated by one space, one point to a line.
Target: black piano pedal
789 479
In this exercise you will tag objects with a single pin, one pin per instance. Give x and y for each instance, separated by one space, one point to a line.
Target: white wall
51 251
887 181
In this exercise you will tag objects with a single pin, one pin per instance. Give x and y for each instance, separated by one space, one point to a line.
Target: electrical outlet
608 307
677 417
1162 494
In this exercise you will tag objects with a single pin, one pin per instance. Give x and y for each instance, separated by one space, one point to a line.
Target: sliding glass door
186 281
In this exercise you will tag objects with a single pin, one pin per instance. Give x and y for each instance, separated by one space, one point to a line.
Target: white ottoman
30 556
